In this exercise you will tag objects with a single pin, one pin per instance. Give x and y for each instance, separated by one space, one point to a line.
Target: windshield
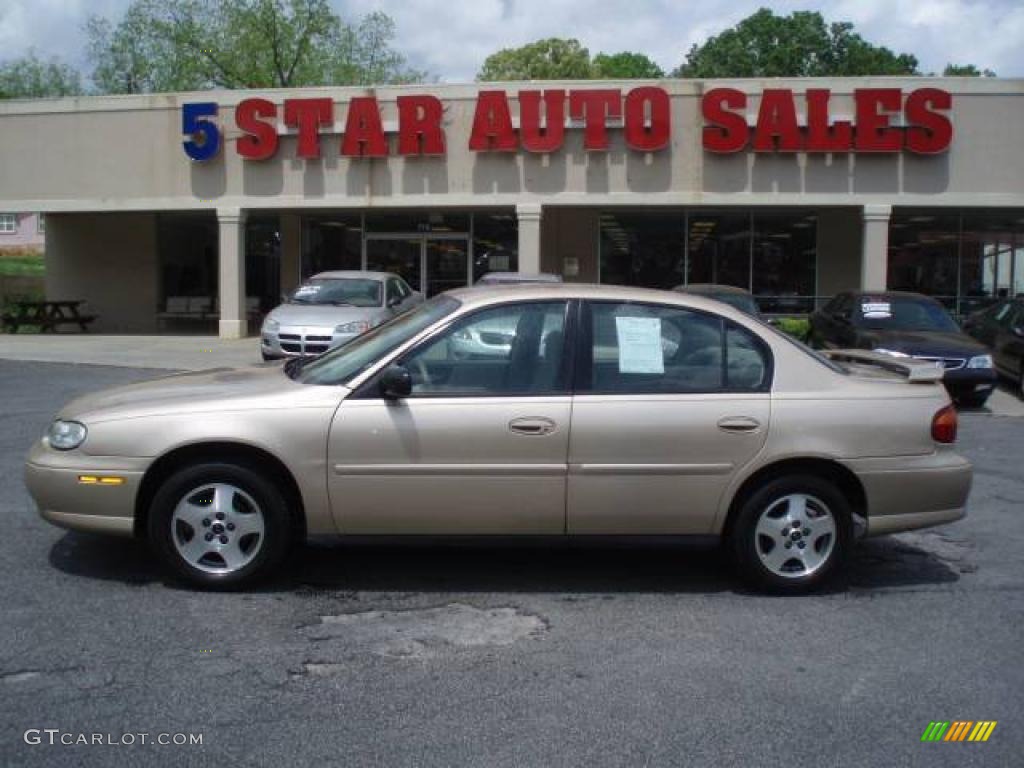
342 364
897 313
339 291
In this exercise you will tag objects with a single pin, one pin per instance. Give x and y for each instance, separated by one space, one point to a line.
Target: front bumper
54 480
909 492
304 341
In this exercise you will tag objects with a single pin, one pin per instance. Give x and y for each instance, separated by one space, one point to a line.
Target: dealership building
197 211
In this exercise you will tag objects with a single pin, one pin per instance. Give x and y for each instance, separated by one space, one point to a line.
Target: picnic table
47 315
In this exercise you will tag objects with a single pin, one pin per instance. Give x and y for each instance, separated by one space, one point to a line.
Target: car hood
926 343
323 315
218 390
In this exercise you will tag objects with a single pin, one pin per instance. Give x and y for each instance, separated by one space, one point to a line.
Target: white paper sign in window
640 348
876 309
308 290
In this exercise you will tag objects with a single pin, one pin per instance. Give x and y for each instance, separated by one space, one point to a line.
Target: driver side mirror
395 382
394 301
1018 331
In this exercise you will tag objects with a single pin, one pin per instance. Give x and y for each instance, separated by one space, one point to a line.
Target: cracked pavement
411 656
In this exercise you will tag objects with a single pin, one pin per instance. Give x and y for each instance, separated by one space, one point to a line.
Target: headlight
65 435
892 352
356 326
270 325
980 361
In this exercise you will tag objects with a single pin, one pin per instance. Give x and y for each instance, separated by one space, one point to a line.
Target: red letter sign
533 137
364 135
308 115
930 132
594 108
874 134
821 137
726 131
640 136
777 117
260 141
419 125
492 124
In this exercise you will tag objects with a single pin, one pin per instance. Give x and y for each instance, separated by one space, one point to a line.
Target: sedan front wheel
219 525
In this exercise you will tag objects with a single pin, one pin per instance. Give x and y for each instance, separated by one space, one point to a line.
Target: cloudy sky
451 38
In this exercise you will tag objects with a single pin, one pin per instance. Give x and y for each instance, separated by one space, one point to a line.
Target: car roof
702 288
521 277
891 295
360 274
497 294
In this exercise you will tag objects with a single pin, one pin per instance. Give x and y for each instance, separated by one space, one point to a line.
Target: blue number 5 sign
197 123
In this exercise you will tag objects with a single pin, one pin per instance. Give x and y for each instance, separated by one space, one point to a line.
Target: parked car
730 294
1001 329
332 308
615 411
908 325
514 278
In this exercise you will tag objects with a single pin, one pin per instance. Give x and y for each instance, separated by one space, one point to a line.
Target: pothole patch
421 633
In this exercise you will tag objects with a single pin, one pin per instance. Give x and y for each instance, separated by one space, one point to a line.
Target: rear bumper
908 492
968 381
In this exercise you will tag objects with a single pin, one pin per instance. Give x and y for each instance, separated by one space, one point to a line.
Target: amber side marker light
944 424
100 480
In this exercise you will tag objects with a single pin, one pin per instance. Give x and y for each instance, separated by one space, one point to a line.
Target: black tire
744 540
973 400
270 546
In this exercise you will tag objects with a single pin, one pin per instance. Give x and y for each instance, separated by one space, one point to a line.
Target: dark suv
1001 329
908 325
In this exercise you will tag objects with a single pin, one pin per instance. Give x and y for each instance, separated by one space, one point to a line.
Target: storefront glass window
923 253
262 264
417 221
719 248
992 260
495 243
331 242
187 247
642 249
785 259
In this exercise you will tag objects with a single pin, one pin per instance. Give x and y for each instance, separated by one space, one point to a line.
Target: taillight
944 424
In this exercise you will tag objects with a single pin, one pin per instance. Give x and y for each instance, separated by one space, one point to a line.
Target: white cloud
451 38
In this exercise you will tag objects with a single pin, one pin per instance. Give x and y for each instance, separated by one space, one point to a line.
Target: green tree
174 45
966 70
551 59
33 78
625 66
798 45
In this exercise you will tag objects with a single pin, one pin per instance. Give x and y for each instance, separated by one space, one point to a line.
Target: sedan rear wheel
219 525
792 534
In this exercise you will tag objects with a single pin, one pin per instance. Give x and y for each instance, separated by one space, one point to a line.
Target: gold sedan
536 410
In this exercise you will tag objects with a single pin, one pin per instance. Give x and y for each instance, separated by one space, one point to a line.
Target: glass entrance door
447 264
429 263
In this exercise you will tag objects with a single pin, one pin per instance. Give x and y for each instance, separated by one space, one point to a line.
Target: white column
874 258
231 259
529 236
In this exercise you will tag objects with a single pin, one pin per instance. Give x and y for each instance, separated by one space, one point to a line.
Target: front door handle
532 425
739 424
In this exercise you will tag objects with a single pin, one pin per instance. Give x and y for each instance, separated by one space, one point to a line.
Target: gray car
332 308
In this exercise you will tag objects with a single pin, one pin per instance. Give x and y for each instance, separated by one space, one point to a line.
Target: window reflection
923 248
642 249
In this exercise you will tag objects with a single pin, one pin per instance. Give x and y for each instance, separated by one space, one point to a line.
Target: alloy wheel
795 536
217 528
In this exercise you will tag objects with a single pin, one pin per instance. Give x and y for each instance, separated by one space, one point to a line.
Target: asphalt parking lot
511 656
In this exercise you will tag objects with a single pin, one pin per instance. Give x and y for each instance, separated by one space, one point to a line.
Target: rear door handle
532 425
739 424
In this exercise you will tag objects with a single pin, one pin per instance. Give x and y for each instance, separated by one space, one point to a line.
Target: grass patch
797 327
22 266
